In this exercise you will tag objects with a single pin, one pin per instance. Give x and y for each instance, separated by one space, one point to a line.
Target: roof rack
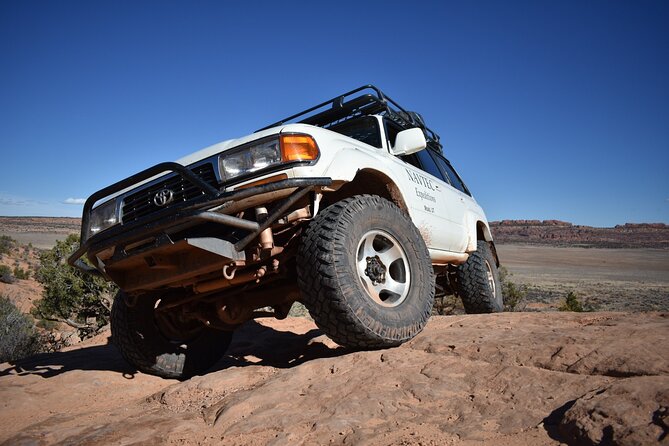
352 105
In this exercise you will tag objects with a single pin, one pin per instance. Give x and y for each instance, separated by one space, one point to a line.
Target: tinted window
424 161
453 177
412 159
364 129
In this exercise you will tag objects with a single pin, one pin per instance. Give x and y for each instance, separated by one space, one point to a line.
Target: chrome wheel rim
383 268
491 279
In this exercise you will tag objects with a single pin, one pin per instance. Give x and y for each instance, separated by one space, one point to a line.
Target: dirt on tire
331 286
477 282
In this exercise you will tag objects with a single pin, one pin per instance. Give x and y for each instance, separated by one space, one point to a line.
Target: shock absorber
266 237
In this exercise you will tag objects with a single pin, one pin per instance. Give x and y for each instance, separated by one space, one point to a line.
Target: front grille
141 203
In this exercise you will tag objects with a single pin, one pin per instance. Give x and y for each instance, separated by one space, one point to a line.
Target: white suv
348 207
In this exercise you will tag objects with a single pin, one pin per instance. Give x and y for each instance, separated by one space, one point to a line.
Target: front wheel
163 342
365 273
477 282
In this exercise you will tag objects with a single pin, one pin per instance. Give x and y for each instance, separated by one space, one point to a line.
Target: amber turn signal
298 148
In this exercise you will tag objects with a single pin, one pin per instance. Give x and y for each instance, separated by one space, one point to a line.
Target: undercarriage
221 265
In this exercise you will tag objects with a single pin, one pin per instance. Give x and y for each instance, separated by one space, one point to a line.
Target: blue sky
549 109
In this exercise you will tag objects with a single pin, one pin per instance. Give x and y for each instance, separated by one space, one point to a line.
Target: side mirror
409 141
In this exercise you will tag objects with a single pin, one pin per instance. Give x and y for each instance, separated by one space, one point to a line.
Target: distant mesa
561 233
531 223
643 225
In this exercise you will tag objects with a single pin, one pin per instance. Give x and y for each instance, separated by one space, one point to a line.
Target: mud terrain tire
365 274
142 342
477 282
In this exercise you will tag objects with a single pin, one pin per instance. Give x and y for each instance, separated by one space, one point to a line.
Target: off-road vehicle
348 207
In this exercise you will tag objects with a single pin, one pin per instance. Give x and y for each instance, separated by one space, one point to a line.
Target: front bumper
184 214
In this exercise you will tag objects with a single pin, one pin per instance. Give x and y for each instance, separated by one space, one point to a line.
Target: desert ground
539 377
606 279
502 379
40 232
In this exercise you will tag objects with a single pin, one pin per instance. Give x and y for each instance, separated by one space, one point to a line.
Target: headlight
272 152
103 217
249 160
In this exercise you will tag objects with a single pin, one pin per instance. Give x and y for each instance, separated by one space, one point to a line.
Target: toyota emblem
163 197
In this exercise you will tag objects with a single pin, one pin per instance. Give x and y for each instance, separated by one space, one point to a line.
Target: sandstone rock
633 411
501 379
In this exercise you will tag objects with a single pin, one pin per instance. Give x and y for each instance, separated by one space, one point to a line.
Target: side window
425 162
412 159
453 177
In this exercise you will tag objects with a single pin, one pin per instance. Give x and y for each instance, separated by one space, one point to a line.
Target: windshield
365 129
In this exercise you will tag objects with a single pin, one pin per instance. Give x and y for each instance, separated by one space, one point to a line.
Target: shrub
71 296
571 303
6 244
21 274
299 310
514 295
46 325
18 335
6 274
445 304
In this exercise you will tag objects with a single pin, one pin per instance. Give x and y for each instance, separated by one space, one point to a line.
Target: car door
438 209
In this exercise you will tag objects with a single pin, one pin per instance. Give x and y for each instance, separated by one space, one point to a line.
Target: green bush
299 310
6 244
446 304
6 274
513 295
21 274
46 325
18 335
571 303
71 296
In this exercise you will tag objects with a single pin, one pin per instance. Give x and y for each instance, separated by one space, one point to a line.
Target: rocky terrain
544 378
506 379
560 233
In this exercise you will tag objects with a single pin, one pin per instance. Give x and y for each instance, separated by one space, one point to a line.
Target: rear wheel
365 273
477 282
162 342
